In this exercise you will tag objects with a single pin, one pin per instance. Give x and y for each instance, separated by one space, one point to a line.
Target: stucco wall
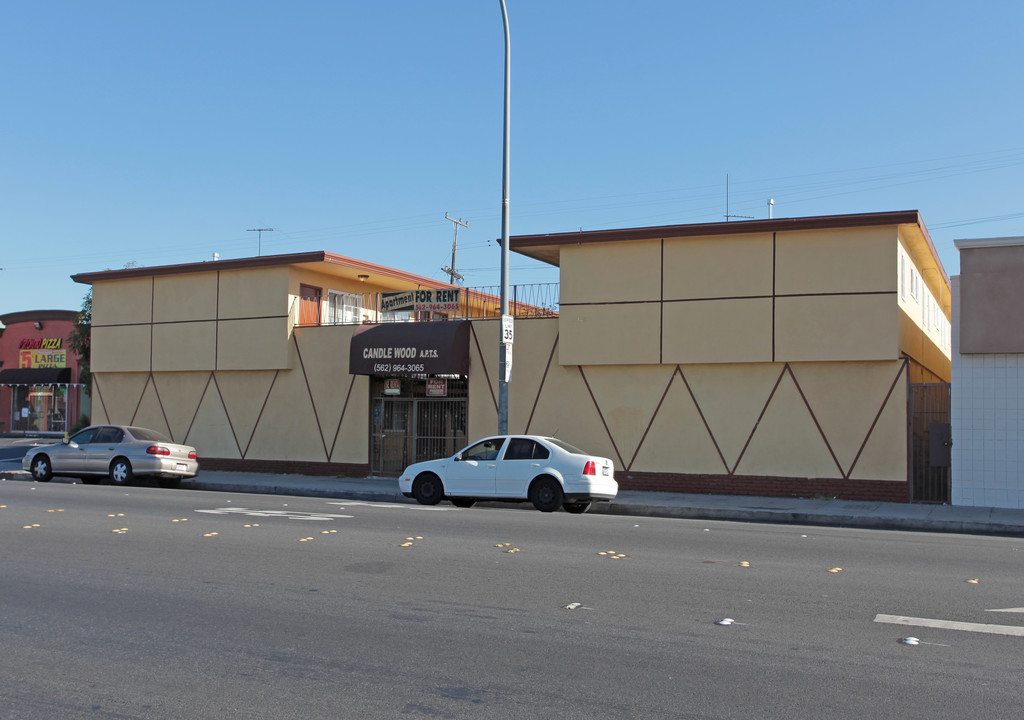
313 411
991 294
211 320
834 425
799 296
828 427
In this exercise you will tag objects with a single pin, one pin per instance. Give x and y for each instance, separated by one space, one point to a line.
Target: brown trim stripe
601 415
540 388
759 418
312 401
902 368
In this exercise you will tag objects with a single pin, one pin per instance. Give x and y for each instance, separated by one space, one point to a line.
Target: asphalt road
151 603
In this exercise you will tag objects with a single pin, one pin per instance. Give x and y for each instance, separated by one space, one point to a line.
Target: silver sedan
120 452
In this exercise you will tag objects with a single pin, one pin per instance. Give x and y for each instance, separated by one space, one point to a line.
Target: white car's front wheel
427 489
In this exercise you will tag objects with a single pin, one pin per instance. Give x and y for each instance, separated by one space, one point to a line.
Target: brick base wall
877 490
872 490
286 467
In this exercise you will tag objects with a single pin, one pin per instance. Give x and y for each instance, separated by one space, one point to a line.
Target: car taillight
157 450
590 468
193 455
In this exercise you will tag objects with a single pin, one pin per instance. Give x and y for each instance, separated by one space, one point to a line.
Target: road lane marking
1009 610
395 506
290 514
951 625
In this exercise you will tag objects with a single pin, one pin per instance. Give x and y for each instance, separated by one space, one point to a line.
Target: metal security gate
405 430
930 442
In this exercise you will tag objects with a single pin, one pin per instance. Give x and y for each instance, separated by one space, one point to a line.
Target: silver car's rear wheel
121 471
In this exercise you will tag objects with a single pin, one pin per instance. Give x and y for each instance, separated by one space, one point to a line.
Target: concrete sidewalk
799 511
805 511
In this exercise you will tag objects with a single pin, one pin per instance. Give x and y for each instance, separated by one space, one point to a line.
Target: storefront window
39 408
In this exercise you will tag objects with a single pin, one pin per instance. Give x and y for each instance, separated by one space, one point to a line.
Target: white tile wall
987 412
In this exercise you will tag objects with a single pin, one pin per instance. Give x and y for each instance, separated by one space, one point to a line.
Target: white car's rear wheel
546 494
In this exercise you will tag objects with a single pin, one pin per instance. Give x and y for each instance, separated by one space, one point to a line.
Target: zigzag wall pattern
767 428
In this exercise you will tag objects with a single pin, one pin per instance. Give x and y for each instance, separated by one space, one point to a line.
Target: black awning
414 348
35 376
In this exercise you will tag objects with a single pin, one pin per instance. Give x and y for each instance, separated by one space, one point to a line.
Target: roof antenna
259 238
727 215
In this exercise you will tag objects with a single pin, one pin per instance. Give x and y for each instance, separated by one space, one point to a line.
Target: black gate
405 429
930 442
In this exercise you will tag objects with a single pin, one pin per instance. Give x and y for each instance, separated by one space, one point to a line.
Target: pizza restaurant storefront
39 392
419 390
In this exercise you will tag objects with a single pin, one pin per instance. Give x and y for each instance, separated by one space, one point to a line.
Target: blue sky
159 133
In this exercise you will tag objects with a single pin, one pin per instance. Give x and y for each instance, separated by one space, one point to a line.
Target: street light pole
504 347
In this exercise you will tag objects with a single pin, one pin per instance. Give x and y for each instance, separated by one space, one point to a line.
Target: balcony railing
478 303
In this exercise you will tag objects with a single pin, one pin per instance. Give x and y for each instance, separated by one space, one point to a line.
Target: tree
80 342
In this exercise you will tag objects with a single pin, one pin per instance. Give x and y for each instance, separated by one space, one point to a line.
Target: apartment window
397 316
913 283
343 308
903 276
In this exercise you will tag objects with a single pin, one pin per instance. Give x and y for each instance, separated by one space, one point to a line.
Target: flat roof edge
968 243
814 222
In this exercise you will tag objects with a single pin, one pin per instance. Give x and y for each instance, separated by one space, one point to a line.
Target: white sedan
544 470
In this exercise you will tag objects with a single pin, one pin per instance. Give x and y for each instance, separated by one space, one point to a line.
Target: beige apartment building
768 357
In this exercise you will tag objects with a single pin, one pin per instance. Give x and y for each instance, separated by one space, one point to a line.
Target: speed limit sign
506 329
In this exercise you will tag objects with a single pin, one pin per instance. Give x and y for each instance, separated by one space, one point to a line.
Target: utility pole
505 336
450 271
259 237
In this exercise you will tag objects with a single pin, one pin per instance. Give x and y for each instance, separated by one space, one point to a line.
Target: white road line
291 515
1011 610
951 625
391 506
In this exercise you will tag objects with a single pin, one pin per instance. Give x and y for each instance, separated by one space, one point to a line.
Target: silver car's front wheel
41 468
